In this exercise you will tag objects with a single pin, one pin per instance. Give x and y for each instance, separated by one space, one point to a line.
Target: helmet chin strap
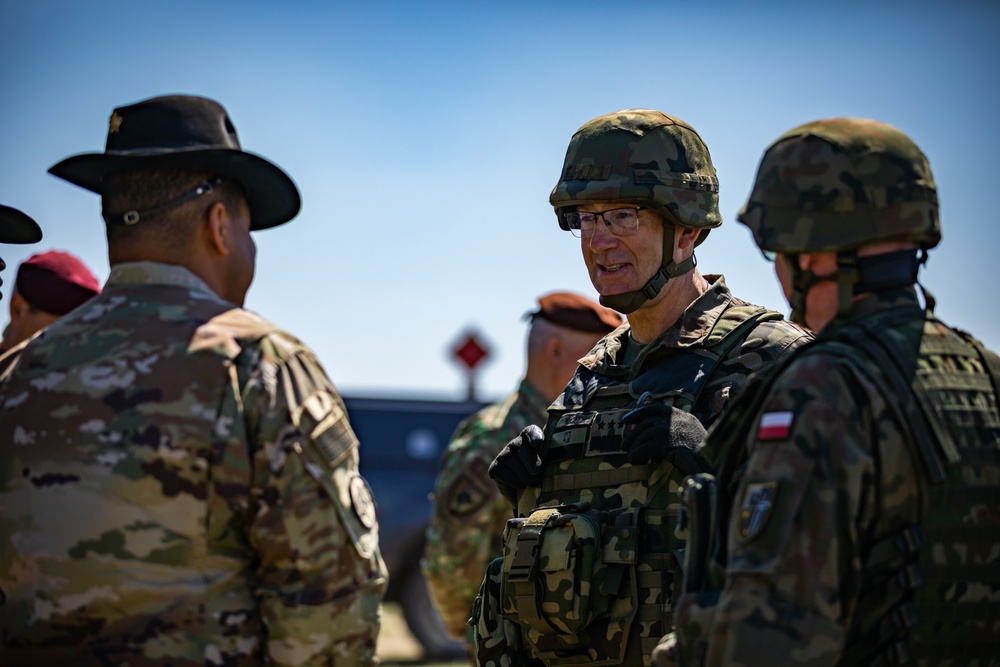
875 273
628 302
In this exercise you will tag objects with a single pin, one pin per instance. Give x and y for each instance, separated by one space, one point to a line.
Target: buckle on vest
910 540
905 616
522 566
911 576
897 654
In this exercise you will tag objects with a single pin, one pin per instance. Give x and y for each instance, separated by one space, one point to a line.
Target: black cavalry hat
184 131
16 227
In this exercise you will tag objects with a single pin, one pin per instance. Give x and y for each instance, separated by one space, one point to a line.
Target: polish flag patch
775 425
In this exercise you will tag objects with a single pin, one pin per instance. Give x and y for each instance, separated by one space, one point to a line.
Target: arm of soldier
803 499
319 576
467 519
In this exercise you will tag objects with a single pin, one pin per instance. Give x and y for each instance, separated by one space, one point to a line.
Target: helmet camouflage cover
643 157
841 183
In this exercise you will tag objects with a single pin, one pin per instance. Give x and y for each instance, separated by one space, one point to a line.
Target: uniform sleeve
467 519
801 509
319 575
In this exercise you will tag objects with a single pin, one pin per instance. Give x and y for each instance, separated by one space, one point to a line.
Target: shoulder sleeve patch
755 508
362 501
775 425
468 492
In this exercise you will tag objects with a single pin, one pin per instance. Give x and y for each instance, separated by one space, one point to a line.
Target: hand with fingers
519 465
662 432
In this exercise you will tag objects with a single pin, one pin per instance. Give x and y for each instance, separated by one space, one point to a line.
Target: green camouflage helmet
643 157
841 183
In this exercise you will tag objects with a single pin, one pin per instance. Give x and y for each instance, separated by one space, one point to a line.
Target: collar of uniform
872 304
536 402
689 330
155 273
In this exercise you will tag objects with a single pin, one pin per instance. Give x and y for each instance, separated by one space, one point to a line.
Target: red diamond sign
470 351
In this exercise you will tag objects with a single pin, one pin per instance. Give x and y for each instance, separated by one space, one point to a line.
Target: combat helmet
650 159
838 184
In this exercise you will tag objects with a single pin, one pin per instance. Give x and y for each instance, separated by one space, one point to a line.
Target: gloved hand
518 465
665 651
664 433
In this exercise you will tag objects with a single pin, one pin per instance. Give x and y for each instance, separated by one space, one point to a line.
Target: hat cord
134 216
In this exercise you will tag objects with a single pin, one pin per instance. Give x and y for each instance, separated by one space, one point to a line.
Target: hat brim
17 227
271 194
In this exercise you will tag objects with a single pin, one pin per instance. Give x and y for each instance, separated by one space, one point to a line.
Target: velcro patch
775 425
755 510
362 501
465 495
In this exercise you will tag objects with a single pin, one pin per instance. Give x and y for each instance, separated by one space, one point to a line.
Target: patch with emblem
465 495
758 501
362 502
115 123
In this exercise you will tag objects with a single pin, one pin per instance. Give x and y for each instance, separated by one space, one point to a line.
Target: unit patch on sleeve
758 501
362 501
466 495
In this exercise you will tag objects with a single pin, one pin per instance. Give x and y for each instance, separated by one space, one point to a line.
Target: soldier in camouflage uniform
587 571
859 482
468 512
16 227
179 480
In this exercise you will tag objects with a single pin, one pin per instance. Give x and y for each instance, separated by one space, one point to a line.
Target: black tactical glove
664 433
518 465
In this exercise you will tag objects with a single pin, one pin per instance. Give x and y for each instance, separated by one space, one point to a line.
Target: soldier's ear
554 347
686 237
216 228
18 306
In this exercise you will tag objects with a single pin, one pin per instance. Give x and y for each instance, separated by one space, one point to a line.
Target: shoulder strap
933 440
694 367
991 361
735 324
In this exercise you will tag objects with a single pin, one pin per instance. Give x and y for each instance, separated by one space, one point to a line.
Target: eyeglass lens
620 221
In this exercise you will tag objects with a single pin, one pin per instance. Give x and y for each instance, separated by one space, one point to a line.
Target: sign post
470 351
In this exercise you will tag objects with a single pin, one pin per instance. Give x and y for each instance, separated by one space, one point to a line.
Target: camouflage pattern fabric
645 157
584 462
838 548
840 183
179 486
469 514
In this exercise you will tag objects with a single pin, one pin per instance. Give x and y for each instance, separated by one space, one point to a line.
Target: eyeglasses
769 255
621 221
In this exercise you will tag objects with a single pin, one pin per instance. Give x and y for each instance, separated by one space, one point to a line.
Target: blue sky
425 138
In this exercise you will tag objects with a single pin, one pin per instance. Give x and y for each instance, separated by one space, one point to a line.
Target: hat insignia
115 123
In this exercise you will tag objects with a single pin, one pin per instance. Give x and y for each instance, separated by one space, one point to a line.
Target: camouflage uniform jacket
699 364
837 542
179 485
469 514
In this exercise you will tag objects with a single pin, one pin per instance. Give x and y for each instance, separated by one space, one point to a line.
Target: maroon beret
576 312
56 282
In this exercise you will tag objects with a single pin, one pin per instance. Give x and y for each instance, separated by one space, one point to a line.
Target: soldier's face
619 264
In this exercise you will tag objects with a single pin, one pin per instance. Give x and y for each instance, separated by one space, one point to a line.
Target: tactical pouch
497 640
568 569
549 567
